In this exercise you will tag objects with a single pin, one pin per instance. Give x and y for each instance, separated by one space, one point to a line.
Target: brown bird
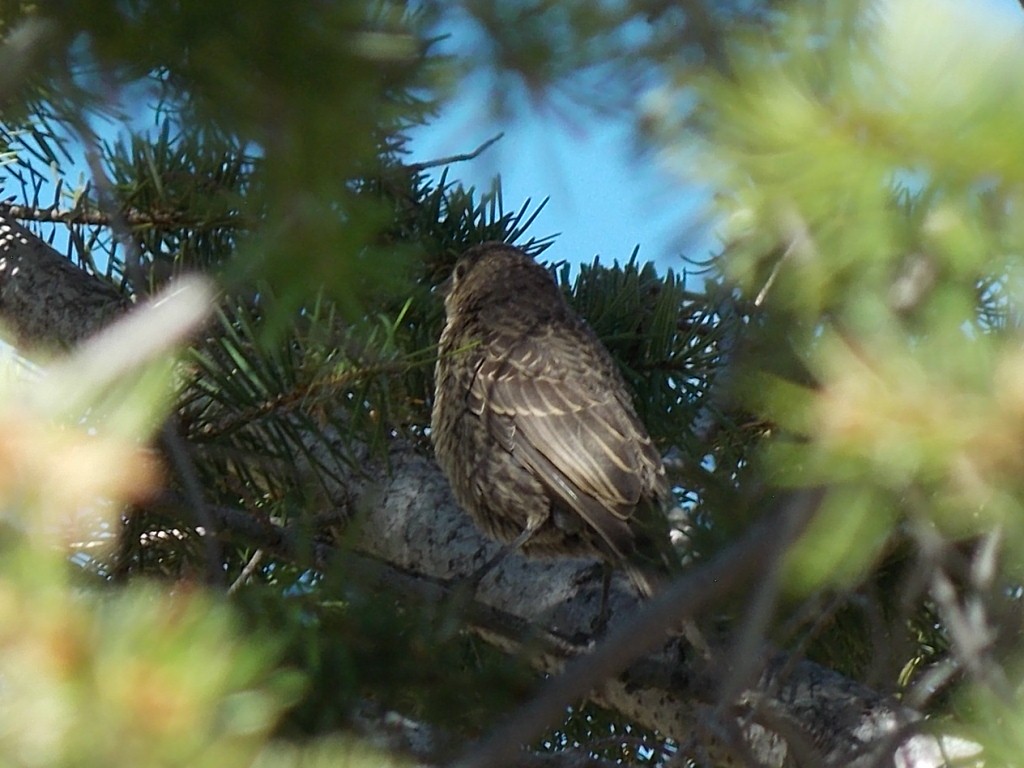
534 426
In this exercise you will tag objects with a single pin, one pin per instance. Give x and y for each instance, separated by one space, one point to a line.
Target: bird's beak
443 288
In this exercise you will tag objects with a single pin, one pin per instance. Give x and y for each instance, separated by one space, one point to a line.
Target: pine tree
226 540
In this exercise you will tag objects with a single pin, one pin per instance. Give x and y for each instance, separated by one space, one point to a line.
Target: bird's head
495 271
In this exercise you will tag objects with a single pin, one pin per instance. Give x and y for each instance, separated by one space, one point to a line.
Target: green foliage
877 287
139 675
356 646
870 190
860 332
275 160
173 177
272 117
857 105
330 753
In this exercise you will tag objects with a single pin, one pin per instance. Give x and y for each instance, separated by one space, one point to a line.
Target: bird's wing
553 400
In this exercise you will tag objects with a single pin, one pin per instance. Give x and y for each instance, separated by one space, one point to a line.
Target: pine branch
418 536
132 218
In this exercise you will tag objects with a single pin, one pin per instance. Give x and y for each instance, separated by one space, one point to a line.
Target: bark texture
793 713
45 300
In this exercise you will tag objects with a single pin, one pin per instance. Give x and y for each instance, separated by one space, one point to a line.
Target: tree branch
442 161
413 534
45 301
131 218
420 544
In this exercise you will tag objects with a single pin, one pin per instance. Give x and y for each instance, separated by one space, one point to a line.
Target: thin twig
181 459
801 244
415 167
747 652
971 636
247 572
131 216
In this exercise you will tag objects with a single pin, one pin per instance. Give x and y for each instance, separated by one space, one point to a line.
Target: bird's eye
460 270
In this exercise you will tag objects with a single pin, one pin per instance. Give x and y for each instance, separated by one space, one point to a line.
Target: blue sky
605 196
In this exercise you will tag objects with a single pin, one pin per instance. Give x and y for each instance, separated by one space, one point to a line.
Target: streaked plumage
533 424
